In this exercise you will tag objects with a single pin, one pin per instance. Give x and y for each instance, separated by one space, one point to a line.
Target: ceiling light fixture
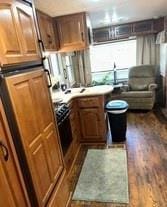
115 17
107 18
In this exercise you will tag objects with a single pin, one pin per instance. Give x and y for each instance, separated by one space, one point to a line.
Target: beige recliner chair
140 91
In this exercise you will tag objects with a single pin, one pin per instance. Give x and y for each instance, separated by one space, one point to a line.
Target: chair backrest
141 76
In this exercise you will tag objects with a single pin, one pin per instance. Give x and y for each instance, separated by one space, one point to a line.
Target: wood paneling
18 40
72 30
33 111
12 188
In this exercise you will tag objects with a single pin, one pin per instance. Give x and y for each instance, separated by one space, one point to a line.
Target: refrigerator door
37 133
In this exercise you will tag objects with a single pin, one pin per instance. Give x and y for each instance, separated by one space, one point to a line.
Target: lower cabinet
92 119
91 124
12 188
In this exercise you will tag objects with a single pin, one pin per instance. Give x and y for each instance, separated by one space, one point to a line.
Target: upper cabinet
126 30
102 34
47 32
122 31
72 31
142 27
165 23
18 39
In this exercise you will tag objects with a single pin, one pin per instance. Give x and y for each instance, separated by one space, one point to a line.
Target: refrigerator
24 91
26 98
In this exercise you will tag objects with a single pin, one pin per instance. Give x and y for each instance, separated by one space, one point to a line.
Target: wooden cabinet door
32 107
10 43
123 31
47 31
165 23
26 26
72 32
91 124
102 34
143 27
12 189
18 39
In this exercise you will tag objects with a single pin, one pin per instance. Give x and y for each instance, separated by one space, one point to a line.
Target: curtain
148 51
82 67
161 37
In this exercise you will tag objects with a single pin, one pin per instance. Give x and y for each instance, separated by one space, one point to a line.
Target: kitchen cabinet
48 34
37 131
12 188
92 119
102 34
122 31
72 31
165 23
18 39
142 27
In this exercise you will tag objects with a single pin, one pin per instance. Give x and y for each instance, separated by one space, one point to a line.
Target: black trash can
117 118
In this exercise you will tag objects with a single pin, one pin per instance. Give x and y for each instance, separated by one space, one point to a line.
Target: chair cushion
138 87
145 71
140 77
137 94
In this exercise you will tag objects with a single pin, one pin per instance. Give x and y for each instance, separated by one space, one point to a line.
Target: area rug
103 177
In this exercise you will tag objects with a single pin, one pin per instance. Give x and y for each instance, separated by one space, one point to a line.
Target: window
103 57
54 66
69 69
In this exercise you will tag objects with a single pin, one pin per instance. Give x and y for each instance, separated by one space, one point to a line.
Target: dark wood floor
147 163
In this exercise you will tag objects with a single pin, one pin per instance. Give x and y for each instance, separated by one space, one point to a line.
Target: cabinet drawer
89 102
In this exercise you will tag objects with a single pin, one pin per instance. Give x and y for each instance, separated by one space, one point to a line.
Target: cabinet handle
48 73
5 151
42 45
82 36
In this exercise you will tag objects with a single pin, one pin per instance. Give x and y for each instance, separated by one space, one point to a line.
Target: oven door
65 133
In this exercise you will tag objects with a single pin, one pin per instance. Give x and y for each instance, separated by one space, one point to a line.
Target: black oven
64 127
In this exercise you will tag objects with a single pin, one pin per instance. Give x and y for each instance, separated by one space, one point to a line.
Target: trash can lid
116 105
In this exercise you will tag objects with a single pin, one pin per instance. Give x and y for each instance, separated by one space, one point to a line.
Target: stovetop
61 110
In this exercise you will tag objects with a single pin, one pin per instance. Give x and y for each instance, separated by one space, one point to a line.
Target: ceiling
106 12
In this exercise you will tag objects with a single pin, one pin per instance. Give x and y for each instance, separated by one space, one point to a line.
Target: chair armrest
124 88
152 86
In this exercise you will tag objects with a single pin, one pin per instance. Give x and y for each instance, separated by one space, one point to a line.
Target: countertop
75 92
